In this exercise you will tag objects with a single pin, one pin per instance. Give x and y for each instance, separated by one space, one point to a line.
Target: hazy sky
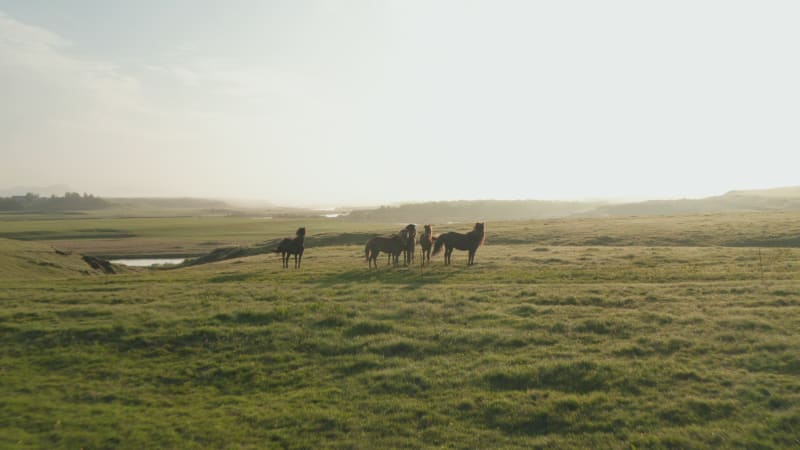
355 102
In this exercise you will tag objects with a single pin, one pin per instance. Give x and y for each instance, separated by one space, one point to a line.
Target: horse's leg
471 257
300 260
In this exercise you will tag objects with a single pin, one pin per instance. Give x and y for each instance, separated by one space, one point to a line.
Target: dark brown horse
426 242
409 236
292 247
393 246
452 240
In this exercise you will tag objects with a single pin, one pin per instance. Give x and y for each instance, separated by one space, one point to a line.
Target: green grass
536 346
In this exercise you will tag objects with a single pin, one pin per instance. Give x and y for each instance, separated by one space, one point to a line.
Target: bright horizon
365 103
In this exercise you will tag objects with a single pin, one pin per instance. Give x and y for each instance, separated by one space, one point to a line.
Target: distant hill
780 199
783 192
470 210
169 203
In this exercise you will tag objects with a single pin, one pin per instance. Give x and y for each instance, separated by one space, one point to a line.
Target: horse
408 236
392 245
452 240
292 247
426 242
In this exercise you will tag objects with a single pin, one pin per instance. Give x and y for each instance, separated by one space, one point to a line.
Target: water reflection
147 262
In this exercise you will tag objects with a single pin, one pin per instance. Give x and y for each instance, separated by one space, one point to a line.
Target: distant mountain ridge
778 199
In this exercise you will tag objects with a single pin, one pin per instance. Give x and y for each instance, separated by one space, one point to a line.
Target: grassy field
115 237
676 332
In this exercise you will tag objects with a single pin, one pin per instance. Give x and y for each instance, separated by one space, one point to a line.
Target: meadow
659 332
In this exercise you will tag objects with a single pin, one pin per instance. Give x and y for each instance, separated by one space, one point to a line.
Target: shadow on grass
412 277
581 377
232 277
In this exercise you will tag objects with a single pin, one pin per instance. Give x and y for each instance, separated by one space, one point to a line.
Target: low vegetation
615 333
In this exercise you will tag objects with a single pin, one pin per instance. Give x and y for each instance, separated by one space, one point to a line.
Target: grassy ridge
534 346
36 261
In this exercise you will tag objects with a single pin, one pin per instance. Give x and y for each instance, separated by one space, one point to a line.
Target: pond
147 262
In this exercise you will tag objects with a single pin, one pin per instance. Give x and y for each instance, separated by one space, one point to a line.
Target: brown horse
452 240
426 242
391 245
292 247
408 236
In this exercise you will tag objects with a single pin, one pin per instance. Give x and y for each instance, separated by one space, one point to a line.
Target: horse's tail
438 246
366 251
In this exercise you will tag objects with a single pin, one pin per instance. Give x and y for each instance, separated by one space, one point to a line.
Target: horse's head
479 227
301 231
428 229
